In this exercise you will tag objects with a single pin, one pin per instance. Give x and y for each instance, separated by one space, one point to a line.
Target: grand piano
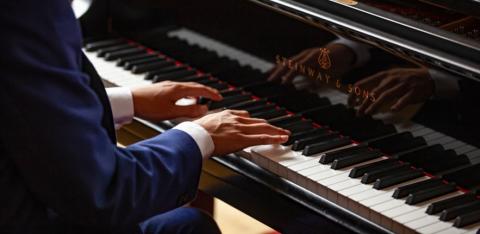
416 171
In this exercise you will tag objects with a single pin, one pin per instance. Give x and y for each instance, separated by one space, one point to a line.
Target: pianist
60 168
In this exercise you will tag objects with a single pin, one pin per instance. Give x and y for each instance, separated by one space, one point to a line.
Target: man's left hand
157 102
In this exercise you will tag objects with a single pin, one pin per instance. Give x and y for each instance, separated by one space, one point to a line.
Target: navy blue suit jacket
59 164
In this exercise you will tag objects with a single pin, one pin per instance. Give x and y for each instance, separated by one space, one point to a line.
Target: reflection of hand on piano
395 87
157 101
341 60
233 130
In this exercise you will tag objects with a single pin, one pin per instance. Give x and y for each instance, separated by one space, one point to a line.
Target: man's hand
396 87
233 130
157 102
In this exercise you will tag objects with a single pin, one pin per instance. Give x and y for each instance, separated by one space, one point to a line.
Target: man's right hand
233 130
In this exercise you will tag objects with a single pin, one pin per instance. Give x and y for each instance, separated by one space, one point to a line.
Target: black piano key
301 101
454 212
218 86
347 161
331 156
103 51
208 81
168 69
110 56
397 178
434 159
121 61
301 143
223 64
404 191
397 143
249 103
285 120
173 75
229 100
308 133
231 92
428 194
299 126
439 206
334 115
325 146
372 176
467 177
259 109
446 162
194 78
270 114
160 75
152 68
361 170
241 76
365 133
151 59
92 46
269 89
467 219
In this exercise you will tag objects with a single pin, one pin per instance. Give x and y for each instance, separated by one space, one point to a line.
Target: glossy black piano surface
413 170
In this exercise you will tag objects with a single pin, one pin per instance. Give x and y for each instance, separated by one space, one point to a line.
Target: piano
369 174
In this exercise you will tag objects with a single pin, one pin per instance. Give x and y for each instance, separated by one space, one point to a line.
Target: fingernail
284 138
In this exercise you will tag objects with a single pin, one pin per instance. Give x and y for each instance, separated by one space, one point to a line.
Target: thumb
190 111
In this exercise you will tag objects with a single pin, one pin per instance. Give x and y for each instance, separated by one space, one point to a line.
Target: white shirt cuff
121 101
446 86
200 136
361 50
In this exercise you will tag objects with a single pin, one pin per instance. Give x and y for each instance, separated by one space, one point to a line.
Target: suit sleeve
52 129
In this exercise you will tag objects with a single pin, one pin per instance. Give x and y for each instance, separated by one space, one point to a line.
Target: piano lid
412 29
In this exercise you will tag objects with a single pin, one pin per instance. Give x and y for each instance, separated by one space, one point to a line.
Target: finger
262 128
196 90
403 101
303 59
250 120
352 99
279 71
287 78
384 98
365 103
373 79
377 92
264 139
191 111
240 113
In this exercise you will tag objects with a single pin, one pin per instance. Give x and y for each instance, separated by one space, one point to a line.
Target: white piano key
465 149
454 144
442 140
432 136
452 230
354 190
422 132
436 227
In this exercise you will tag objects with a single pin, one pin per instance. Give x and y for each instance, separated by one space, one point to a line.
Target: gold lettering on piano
320 75
347 2
324 59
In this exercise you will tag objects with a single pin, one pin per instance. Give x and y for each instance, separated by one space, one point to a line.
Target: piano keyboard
405 178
